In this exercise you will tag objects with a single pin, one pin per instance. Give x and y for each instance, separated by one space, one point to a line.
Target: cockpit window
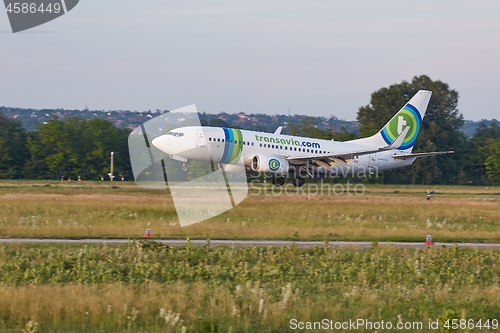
175 133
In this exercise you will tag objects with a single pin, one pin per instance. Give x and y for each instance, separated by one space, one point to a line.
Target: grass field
147 287
122 210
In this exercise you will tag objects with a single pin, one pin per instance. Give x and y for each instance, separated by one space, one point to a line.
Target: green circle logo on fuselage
274 164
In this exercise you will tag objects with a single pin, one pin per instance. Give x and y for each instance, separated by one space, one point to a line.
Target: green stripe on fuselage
232 150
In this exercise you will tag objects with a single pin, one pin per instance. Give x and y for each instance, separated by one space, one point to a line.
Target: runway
247 243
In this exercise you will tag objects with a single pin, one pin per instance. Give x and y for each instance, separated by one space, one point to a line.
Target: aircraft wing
433 153
342 158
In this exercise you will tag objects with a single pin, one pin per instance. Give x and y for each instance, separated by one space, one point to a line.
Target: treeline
476 160
31 118
73 147
63 148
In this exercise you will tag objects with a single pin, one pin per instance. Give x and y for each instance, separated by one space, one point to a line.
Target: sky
319 58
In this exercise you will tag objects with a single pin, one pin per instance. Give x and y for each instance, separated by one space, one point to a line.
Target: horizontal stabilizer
403 156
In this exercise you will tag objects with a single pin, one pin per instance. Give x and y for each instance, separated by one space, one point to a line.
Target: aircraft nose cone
162 143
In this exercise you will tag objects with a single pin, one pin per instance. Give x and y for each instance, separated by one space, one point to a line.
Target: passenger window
252 143
222 140
218 139
286 148
261 144
281 147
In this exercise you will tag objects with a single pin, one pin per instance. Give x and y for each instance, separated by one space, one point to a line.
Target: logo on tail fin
406 117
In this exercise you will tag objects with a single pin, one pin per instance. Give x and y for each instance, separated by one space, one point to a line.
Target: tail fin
410 115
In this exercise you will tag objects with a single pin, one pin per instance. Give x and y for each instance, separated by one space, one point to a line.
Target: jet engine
270 164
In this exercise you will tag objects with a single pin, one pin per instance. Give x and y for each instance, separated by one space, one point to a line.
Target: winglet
278 130
399 140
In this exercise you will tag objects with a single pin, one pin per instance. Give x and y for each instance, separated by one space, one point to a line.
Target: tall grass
146 286
382 213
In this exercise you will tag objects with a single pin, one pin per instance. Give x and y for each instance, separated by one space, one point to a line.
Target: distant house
242 115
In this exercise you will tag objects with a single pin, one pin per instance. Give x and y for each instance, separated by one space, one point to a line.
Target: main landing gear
184 167
297 181
278 181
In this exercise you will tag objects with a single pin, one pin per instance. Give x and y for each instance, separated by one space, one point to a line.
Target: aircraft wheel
298 181
278 181
184 168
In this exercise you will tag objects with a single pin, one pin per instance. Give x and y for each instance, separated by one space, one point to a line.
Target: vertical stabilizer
410 115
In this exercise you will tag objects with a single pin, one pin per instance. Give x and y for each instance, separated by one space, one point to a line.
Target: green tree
12 148
218 123
344 135
53 147
492 162
478 153
424 170
77 147
99 139
307 127
440 128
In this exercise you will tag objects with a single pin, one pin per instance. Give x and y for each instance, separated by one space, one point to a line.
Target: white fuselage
225 145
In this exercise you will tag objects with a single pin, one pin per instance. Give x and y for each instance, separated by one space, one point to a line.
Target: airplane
279 155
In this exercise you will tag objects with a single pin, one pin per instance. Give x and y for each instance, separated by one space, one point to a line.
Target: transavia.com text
328 324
